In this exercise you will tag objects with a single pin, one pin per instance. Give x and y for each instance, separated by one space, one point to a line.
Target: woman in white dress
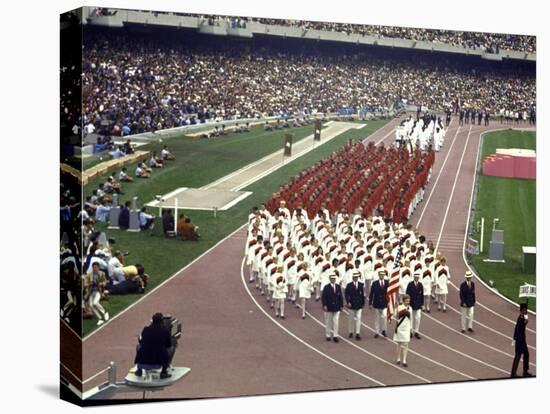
427 287
280 290
304 287
402 334
441 288
290 270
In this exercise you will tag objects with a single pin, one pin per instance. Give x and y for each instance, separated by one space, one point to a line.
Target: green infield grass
513 202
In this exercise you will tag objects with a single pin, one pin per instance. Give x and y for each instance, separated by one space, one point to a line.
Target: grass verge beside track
513 201
197 164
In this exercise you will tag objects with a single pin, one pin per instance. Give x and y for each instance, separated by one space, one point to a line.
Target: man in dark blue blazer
333 302
378 301
520 342
467 302
355 301
416 291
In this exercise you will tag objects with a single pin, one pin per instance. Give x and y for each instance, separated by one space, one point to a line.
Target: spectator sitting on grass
146 220
117 153
115 266
124 216
166 155
123 176
154 161
132 271
168 223
187 230
111 186
128 147
142 171
267 126
135 285
102 211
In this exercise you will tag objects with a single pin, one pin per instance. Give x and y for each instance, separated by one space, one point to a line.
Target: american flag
393 286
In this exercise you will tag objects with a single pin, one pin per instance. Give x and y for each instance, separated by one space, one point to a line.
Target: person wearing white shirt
442 281
280 289
123 175
102 211
166 155
115 265
146 220
304 287
427 287
402 334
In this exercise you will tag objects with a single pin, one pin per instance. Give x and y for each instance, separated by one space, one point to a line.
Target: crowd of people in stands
470 40
374 179
141 86
490 42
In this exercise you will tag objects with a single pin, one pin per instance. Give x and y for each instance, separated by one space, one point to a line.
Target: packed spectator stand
490 42
140 84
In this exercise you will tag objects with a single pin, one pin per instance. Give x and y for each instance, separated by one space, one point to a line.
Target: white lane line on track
307 344
509 337
419 354
122 312
437 179
393 365
453 189
474 340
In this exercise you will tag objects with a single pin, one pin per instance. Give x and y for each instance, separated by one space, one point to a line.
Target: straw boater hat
468 275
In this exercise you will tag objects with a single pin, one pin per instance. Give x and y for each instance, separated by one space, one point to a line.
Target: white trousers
379 321
354 320
93 301
331 324
467 317
416 315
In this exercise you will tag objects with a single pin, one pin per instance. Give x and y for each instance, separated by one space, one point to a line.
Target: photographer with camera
154 345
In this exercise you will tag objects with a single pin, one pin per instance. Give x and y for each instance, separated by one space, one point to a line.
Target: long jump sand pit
200 199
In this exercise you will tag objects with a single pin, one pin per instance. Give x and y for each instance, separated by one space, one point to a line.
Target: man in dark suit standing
154 344
416 291
467 302
355 301
333 302
378 301
520 342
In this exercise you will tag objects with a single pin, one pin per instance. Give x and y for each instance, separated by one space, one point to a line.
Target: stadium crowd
141 86
491 42
469 40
